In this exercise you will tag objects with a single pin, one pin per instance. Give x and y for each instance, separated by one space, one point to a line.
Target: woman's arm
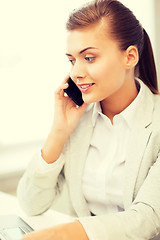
37 189
66 118
66 232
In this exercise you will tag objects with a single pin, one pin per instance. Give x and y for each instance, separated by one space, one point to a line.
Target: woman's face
97 63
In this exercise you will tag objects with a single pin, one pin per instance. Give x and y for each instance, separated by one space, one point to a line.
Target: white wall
33 62
144 11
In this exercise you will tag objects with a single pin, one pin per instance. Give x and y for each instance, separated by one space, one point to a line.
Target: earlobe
132 57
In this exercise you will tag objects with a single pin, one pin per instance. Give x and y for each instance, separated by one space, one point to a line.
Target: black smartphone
74 93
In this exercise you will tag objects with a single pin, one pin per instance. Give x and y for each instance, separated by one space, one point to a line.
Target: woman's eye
72 61
89 59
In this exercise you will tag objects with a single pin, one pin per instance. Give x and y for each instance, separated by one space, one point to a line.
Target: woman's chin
89 100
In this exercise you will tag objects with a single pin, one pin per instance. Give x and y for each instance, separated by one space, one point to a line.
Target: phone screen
14 233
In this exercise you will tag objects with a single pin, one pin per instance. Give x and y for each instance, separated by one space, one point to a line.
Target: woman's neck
120 100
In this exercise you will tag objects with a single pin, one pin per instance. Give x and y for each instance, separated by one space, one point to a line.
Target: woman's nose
77 72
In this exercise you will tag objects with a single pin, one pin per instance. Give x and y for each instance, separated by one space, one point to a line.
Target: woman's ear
132 57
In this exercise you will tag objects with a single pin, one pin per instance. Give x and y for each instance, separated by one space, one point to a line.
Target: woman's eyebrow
85 49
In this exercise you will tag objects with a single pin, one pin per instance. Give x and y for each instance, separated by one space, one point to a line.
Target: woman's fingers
63 86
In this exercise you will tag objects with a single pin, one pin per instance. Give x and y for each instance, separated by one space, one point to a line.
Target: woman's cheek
96 72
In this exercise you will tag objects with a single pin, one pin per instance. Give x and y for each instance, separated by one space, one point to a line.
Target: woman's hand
67 231
67 114
66 118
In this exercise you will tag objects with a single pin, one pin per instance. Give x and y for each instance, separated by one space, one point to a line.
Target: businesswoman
101 161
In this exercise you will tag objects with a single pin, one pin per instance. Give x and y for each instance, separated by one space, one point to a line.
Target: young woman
101 161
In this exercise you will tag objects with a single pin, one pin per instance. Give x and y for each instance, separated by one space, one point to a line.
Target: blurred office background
32 65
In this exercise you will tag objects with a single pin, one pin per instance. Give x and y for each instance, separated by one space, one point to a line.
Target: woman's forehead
95 36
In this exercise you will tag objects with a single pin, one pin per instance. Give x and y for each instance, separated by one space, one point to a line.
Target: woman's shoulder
156 98
156 110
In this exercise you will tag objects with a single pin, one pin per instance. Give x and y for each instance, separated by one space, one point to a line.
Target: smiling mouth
85 87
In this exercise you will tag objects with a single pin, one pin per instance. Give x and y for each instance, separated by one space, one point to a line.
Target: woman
101 162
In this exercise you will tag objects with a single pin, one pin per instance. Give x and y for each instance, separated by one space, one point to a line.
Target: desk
9 205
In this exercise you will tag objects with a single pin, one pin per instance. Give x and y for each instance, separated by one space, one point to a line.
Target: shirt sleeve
43 166
37 189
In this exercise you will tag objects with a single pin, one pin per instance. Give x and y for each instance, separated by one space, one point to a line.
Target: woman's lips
85 87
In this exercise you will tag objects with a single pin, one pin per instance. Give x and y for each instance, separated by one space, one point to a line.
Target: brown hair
125 28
